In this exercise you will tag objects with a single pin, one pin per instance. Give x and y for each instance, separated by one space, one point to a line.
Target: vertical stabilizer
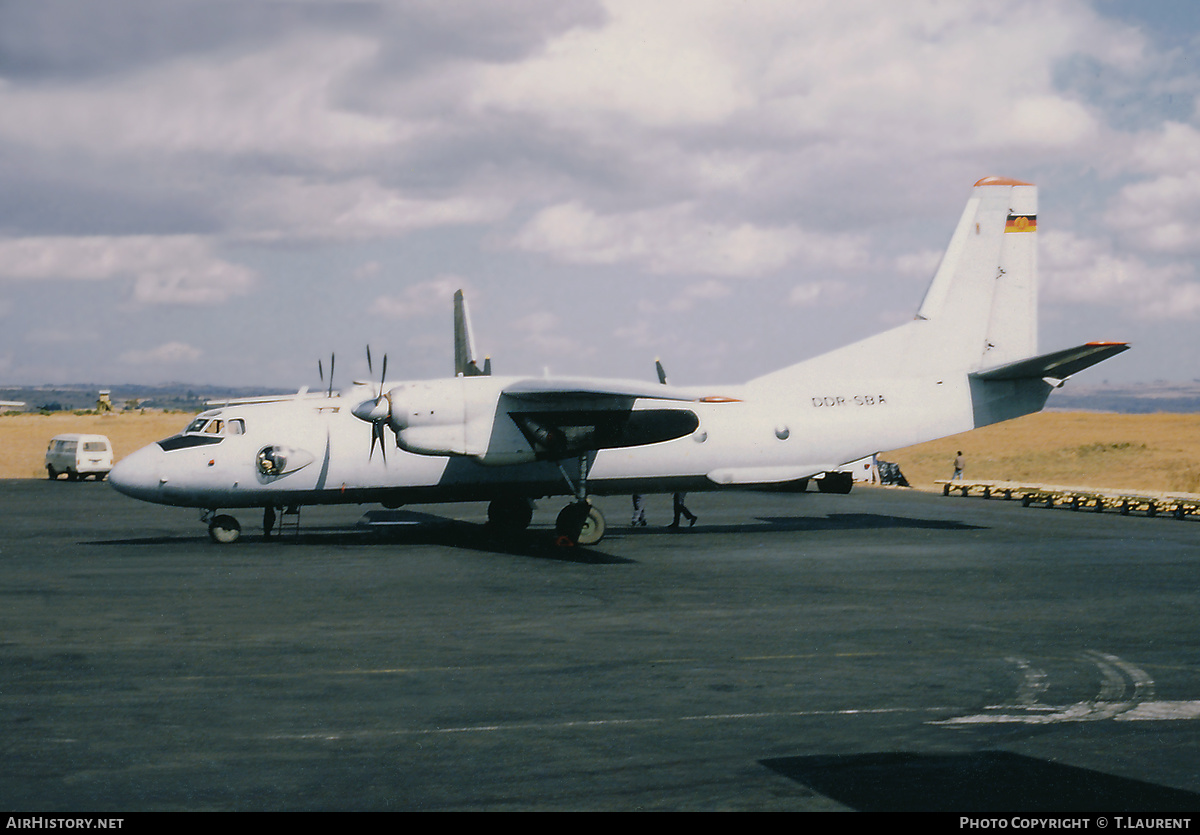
980 310
464 342
983 298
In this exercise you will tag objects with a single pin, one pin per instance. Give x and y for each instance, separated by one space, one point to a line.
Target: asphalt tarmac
882 651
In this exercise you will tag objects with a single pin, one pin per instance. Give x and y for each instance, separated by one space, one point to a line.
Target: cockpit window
215 426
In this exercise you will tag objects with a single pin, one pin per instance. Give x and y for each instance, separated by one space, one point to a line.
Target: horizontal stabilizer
1058 365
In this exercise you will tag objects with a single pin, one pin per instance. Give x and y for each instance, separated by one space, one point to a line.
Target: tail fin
980 310
464 342
984 295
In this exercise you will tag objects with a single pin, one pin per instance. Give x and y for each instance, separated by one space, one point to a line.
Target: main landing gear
579 523
510 515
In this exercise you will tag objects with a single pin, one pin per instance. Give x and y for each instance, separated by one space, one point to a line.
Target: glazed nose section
138 475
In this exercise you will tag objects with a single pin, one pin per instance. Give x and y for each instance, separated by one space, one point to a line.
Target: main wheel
836 483
510 515
581 523
224 530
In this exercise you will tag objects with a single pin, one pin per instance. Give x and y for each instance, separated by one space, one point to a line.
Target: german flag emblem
1021 223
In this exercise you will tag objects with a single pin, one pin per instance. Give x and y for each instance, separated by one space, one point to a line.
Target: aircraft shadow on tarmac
539 544
832 522
429 529
984 782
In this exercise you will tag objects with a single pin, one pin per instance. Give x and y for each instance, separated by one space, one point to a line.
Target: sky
227 191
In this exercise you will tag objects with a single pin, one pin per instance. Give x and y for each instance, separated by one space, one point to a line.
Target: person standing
639 511
959 463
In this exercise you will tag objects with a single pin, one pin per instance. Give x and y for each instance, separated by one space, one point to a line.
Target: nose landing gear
222 529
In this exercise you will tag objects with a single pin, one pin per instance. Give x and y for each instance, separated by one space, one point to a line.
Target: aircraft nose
137 475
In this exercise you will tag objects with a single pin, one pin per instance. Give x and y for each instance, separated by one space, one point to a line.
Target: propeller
377 412
321 372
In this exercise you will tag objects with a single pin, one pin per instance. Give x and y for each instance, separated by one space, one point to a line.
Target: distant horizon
1140 397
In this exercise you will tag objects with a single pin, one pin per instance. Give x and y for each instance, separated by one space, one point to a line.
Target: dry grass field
1158 452
23 438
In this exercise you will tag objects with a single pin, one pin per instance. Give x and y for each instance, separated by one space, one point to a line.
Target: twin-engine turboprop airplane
968 359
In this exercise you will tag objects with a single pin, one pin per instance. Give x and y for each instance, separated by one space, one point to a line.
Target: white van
79 456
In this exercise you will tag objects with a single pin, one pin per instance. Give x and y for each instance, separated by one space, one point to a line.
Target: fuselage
311 449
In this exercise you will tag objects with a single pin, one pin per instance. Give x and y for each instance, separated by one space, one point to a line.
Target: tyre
510 515
581 523
224 530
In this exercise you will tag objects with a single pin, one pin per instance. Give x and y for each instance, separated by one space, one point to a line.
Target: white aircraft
968 359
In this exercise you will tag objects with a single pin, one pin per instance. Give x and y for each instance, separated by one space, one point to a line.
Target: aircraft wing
562 388
564 417
1058 365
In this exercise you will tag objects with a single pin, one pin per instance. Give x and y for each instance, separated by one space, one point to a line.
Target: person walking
959 463
681 510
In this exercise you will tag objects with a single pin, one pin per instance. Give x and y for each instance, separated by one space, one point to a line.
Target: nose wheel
224 530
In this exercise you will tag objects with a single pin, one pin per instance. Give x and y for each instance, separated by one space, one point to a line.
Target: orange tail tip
1001 181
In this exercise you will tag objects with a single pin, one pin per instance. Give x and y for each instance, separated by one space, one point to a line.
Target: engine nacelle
431 418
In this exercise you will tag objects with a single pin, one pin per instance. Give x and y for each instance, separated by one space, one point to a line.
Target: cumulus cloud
347 209
180 269
275 101
424 299
170 353
1160 212
674 240
542 331
855 68
821 292
698 140
1087 271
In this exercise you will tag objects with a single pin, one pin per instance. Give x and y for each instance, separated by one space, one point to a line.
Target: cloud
180 269
170 353
1160 213
851 69
821 292
1084 271
541 330
277 101
429 298
674 240
359 208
